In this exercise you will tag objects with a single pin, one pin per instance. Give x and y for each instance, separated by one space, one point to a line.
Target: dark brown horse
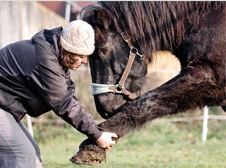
126 35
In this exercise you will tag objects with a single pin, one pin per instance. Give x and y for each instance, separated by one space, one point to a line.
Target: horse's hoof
89 154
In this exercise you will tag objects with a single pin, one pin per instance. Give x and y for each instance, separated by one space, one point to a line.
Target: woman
34 79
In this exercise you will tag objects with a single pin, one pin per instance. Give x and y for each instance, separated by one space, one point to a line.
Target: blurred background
22 19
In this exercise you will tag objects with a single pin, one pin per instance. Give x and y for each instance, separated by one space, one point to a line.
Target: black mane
148 23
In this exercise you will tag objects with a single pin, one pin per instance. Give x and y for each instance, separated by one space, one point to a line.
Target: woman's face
73 61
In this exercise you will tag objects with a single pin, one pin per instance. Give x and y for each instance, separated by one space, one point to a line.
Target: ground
161 144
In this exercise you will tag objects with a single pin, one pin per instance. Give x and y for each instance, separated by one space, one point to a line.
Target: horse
126 35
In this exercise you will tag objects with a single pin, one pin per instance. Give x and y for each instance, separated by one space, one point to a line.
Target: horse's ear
96 16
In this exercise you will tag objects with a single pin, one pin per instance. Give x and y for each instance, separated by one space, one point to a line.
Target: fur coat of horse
195 32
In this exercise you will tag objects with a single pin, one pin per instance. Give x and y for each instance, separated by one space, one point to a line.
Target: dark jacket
32 81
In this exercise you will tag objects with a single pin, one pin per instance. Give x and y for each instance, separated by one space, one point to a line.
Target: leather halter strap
120 87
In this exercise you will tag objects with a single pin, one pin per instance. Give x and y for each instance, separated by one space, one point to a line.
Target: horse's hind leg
193 87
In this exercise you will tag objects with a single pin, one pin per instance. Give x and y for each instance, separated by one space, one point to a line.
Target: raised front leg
192 88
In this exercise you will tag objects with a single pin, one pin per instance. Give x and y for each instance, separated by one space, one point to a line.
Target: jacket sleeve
59 94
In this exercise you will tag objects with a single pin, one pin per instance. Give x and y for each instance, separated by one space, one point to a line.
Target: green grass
158 145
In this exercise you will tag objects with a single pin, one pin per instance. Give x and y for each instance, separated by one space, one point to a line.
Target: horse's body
195 32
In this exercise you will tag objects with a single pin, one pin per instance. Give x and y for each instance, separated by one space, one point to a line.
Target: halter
119 87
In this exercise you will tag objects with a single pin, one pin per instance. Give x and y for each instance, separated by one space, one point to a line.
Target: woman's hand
105 140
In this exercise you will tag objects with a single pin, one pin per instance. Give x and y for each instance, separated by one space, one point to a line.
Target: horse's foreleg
192 88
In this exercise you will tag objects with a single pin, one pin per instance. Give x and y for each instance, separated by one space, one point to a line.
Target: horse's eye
103 51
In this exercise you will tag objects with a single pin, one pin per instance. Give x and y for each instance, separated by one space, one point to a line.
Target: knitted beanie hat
78 38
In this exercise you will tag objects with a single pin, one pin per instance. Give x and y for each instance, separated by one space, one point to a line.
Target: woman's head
71 60
77 42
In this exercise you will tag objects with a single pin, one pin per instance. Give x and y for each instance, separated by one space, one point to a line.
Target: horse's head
110 63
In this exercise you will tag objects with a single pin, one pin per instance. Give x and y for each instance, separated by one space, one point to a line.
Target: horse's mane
161 21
